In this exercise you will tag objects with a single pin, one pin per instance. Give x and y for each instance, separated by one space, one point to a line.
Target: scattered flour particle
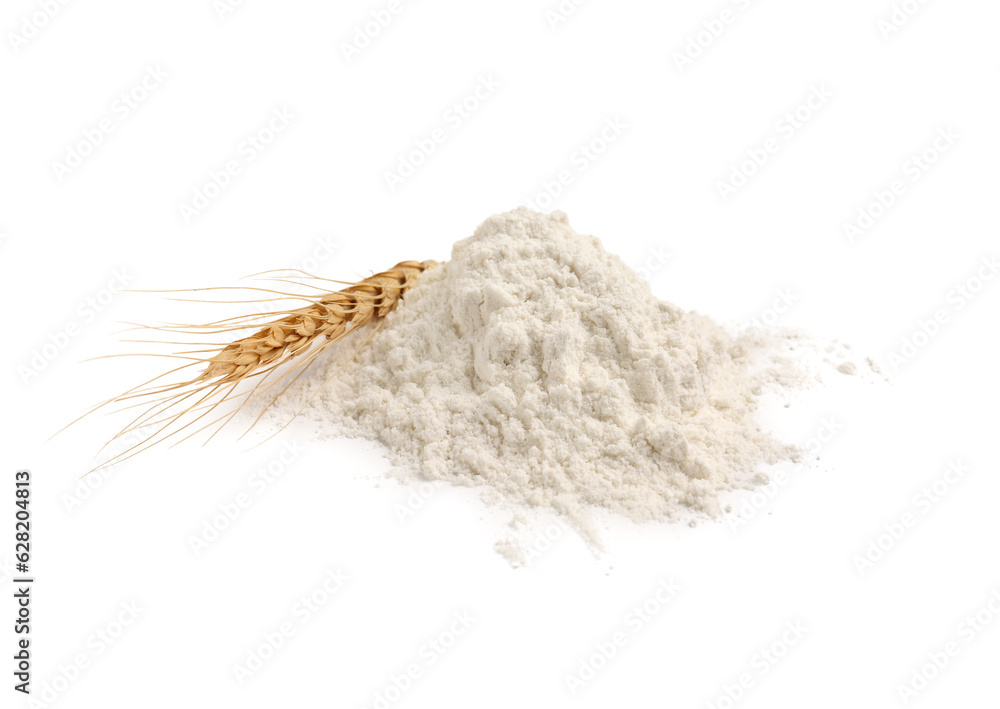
847 368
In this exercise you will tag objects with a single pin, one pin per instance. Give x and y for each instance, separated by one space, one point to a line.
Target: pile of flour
538 364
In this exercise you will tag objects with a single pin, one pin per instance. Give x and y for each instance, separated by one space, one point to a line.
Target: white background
654 189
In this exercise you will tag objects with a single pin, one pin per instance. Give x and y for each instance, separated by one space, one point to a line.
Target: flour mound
536 363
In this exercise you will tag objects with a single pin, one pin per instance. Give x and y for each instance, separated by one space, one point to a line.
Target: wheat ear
285 340
331 316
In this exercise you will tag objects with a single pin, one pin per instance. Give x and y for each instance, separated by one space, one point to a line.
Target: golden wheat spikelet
329 316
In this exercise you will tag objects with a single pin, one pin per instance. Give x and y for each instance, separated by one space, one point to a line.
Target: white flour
537 364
